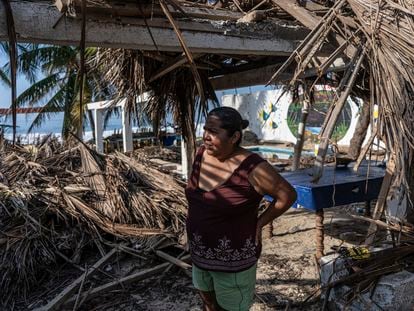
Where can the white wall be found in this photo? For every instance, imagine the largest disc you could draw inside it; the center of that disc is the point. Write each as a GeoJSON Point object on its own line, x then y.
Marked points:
{"type": "Point", "coordinates": [268, 116]}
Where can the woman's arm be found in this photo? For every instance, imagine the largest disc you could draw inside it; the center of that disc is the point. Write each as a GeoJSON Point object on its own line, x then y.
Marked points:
{"type": "Point", "coordinates": [266, 180]}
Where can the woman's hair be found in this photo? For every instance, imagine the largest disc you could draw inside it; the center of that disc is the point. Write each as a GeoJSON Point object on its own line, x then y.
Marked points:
{"type": "Point", "coordinates": [230, 119]}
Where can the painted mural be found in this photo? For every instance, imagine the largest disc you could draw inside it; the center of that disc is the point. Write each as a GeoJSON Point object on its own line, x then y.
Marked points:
{"type": "Point", "coordinates": [268, 114]}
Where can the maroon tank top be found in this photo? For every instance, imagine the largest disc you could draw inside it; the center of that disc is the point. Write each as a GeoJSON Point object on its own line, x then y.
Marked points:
{"type": "Point", "coordinates": [221, 223]}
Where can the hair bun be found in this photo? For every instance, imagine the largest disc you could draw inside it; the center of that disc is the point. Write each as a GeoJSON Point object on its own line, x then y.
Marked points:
{"type": "Point", "coordinates": [244, 124]}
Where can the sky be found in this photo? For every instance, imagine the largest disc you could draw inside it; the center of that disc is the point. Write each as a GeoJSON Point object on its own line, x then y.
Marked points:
{"type": "Point", "coordinates": [5, 91]}
{"type": "Point", "coordinates": [22, 84]}
{"type": "Point", "coordinates": [25, 120]}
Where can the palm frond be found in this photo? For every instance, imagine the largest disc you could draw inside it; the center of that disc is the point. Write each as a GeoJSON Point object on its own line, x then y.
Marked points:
{"type": "Point", "coordinates": [4, 47]}
{"type": "Point", "coordinates": [39, 90]}
{"type": "Point", "coordinates": [4, 78]}
{"type": "Point", "coordinates": [53, 106]}
{"type": "Point", "coordinates": [45, 58]}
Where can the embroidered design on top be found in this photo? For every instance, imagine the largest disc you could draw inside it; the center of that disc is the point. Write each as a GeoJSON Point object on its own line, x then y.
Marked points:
{"type": "Point", "coordinates": [223, 251]}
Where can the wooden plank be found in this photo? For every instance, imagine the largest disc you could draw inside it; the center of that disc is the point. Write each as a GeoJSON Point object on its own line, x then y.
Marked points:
{"type": "Point", "coordinates": [61, 298]}
{"type": "Point", "coordinates": [173, 260]}
{"type": "Point", "coordinates": [261, 76]}
{"type": "Point", "coordinates": [246, 78]}
{"type": "Point", "coordinates": [257, 6]}
{"type": "Point", "coordinates": [382, 200]}
{"type": "Point", "coordinates": [132, 9]}
{"type": "Point", "coordinates": [4, 111]}
{"type": "Point", "coordinates": [141, 275]}
{"type": "Point", "coordinates": [34, 21]}
{"type": "Point", "coordinates": [304, 16]}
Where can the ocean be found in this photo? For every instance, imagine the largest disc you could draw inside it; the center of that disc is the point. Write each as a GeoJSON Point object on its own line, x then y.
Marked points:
{"type": "Point", "coordinates": [54, 126]}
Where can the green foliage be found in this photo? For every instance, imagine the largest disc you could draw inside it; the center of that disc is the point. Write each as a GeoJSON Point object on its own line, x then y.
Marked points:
{"type": "Point", "coordinates": [339, 131]}
{"type": "Point", "coordinates": [293, 125]}
{"type": "Point", "coordinates": [59, 90]}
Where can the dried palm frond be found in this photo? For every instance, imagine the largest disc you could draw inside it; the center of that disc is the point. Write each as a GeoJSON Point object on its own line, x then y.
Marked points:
{"type": "Point", "coordinates": [385, 29]}
{"type": "Point", "coordinates": [48, 193]}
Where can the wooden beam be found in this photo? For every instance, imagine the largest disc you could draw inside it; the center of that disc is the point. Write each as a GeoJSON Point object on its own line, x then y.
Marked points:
{"type": "Point", "coordinates": [178, 262]}
{"type": "Point", "coordinates": [304, 16]}
{"type": "Point", "coordinates": [260, 76]}
{"type": "Point", "coordinates": [141, 275]}
{"type": "Point", "coordinates": [132, 9]}
{"type": "Point", "coordinates": [174, 64]}
{"type": "Point", "coordinates": [60, 299]}
{"type": "Point", "coordinates": [252, 77]}
{"type": "Point", "coordinates": [34, 21]}
{"type": "Point", "coordinates": [4, 111]}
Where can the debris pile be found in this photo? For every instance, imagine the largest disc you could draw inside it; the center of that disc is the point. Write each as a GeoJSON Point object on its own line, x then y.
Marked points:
{"type": "Point", "coordinates": [355, 278]}
{"type": "Point", "coordinates": [55, 201]}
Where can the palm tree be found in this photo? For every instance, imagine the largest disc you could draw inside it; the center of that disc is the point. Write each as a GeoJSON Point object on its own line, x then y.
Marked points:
{"type": "Point", "coordinates": [4, 77]}
{"type": "Point", "coordinates": [58, 90]}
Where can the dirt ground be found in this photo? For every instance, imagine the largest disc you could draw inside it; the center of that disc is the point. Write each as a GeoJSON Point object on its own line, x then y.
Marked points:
{"type": "Point", "coordinates": [287, 271]}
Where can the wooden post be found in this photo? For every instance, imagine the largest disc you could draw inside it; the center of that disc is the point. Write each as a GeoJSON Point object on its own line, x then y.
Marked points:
{"type": "Point", "coordinates": [184, 163]}
{"type": "Point", "coordinates": [319, 234]}
{"type": "Point", "coordinates": [382, 200]}
{"type": "Point", "coordinates": [98, 118]}
{"type": "Point", "coordinates": [126, 130]}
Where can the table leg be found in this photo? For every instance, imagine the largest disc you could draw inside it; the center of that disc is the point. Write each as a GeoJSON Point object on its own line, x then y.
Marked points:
{"type": "Point", "coordinates": [319, 234]}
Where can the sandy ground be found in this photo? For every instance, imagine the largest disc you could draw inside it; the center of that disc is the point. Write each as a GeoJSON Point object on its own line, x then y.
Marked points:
{"type": "Point", "coordinates": [287, 271]}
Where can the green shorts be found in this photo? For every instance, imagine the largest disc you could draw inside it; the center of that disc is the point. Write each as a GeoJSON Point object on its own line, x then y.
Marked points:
{"type": "Point", "coordinates": [234, 291]}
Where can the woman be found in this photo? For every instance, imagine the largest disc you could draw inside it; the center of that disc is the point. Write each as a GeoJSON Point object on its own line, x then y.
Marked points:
{"type": "Point", "coordinates": [224, 232]}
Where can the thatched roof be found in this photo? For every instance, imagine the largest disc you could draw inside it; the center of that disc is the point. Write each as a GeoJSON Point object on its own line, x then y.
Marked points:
{"type": "Point", "coordinates": [373, 40]}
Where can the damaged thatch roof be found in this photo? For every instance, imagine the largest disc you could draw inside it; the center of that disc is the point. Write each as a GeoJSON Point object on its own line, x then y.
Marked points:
{"type": "Point", "coordinates": [371, 39]}
{"type": "Point", "coordinates": [55, 201]}
{"type": "Point", "coordinates": [377, 38]}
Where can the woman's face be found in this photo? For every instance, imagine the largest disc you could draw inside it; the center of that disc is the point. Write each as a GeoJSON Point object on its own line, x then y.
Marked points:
{"type": "Point", "coordinates": [216, 139]}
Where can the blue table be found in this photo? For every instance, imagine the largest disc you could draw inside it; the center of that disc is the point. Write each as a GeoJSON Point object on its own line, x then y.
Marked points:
{"type": "Point", "coordinates": [337, 186]}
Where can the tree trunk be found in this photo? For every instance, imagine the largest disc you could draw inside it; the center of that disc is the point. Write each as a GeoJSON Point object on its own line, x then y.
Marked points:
{"type": "Point", "coordinates": [301, 135]}
{"type": "Point", "coordinates": [360, 131]}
